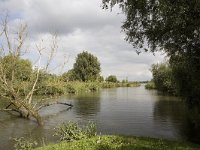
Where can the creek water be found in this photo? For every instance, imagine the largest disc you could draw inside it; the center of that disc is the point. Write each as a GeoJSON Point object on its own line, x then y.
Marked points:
{"type": "Point", "coordinates": [124, 111]}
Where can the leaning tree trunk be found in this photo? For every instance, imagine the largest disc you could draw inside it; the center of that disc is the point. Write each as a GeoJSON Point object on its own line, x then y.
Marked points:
{"type": "Point", "coordinates": [10, 56]}
{"type": "Point", "coordinates": [26, 110]}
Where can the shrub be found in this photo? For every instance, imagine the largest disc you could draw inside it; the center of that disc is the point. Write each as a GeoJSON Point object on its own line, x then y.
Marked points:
{"type": "Point", "coordinates": [72, 131]}
{"type": "Point", "coordinates": [24, 144]}
{"type": "Point", "coordinates": [111, 78]}
{"type": "Point", "coordinates": [70, 88]}
{"type": "Point", "coordinates": [93, 86]}
{"type": "Point", "coordinates": [150, 85]}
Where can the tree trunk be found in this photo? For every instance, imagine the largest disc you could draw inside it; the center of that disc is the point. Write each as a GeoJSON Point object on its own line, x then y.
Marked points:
{"type": "Point", "coordinates": [26, 110]}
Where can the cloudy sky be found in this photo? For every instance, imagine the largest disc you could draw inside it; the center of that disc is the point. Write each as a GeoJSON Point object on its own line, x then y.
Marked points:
{"type": "Point", "coordinates": [81, 25]}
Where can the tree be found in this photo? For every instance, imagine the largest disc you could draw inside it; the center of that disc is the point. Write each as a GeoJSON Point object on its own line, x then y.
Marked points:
{"type": "Point", "coordinates": [86, 67]}
{"type": "Point", "coordinates": [21, 67]}
{"type": "Point", "coordinates": [163, 78]}
{"type": "Point", "coordinates": [100, 79]}
{"type": "Point", "coordinates": [167, 24]}
{"type": "Point", "coordinates": [170, 26]}
{"type": "Point", "coordinates": [16, 74]}
{"type": "Point", "coordinates": [111, 78]}
{"type": "Point", "coordinates": [186, 71]}
{"type": "Point", "coordinates": [69, 76]}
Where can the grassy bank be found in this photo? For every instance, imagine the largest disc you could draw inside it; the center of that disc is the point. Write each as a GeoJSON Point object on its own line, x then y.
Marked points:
{"type": "Point", "coordinates": [56, 87]}
{"type": "Point", "coordinates": [120, 143]}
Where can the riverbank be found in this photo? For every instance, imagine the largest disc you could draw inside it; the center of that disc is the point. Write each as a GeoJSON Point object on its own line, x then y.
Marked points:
{"type": "Point", "coordinates": [114, 142]}
{"type": "Point", "coordinates": [56, 87]}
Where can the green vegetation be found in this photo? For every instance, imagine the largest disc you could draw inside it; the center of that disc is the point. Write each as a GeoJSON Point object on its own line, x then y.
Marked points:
{"type": "Point", "coordinates": [111, 78]}
{"type": "Point", "coordinates": [86, 67]}
{"type": "Point", "coordinates": [186, 73]}
{"type": "Point", "coordinates": [150, 85]}
{"type": "Point", "coordinates": [172, 27]}
{"type": "Point", "coordinates": [119, 84]}
{"type": "Point", "coordinates": [72, 131]}
{"type": "Point", "coordinates": [172, 78]}
{"type": "Point", "coordinates": [24, 144]}
{"type": "Point", "coordinates": [74, 136]}
{"type": "Point", "coordinates": [13, 64]}
{"type": "Point", "coordinates": [58, 87]}
{"type": "Point", "coordinates": [120, 143]}
{"type": "Point", "coordinates": [163, 78]}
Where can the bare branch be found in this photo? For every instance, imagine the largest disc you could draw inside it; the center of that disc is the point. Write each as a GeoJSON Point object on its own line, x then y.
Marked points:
{"type": "Point", "coordinates": [10, 110]}
{"type": "Point", "coordinates": [8, 106]}
{"type": "Point", "coordinates": [53, 103]}
{"type": "Point", "coordinates": [22, 34]}
{"type": "Point", "coordinates": [5, 31]}
{"type": "Point", "coordinates": [54, 47]}
{"type": "Point", "coordinates": [30, 94]}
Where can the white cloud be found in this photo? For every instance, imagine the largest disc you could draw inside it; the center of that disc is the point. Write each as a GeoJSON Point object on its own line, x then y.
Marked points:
{"type": "Point", "coordinates": [82, 25]}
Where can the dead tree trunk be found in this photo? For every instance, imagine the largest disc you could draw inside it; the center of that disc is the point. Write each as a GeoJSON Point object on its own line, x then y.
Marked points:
{"type": "Point", "coordinates": [27, 111]}
{"type": "Point", "coordinates": [10, 54]}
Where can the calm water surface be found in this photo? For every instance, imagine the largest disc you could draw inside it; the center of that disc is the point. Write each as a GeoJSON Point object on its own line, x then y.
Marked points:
{"type": "Point", "coordinates": [124, 111]}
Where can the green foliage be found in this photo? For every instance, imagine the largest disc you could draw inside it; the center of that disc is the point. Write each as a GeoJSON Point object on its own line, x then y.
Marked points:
{"type": "Point", "coordinates": [16, 68]}
{"type": "Point", "coordinates": [172, 26]}
{"type": "Point", "coordinates": [49, 84]}
{"type": "Point", "coordinates": [17, 72]}
{"type": "Point", "coordinates": [80, 87]}
{"type": "Point", "coordinates": [186, 71]}
{"type": "Point", "coordinates": [86, 67]}
{"type": "Point", "coordinates": [72, 131]}
{"type": "Point", "coordinates": [24, 144]}
{"type": "Point", "coordinates": [100, 79]}
{"type": "Point", "coordinates": [150, 85]}
{"type": "Point", "coordinates": [111, 78]}
{"type": "Point", "coordinates": [93, 86]}
{"type": "Point", "coordinates": [70, 88]}
{"type": "Point", "coordinates": [69, 76]}
{"type": "Point", "coordinates": [125, 81]}
{"type": "Point", "coordinates": [120, 143]}
{"type": "Point", "coordinates": [118, 84]}
{"type": "Point", "coordinates": [163, 78]}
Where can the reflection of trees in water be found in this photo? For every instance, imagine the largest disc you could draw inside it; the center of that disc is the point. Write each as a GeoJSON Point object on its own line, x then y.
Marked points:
{"type": "Point", "coordinates": [186, 120]}
{"type": "Point", "coordinates": [87, 104]}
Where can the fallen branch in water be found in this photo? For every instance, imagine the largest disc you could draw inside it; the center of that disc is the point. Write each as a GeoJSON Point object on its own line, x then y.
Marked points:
{"type": "Point", "coordinates": [53, 103]}
{"type": "Point", "coordinates": [9, 110]}
{"type": "Point", "coordinates": [8, 106]}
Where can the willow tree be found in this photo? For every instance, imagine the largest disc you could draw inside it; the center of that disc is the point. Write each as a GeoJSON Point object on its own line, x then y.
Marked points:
{"type": "Point", "coordinates": [172, 26]}
{"type": "Point", "coordinates": [16, 73]}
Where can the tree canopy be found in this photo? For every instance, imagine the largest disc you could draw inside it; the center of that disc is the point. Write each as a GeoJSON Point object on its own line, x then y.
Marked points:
{"type": "Point", "coordinates": [163, 78]}
{"type": "Point", "coordinates": [111, 78]}
{"type": "Point", "coordinates": [87, 67]}
{"type": "Point", "coordinates": [164, 24]}
{"type": "Point", "coordinates": [172, 26]}
{"type": "Point", "coordinates": [13, 66]}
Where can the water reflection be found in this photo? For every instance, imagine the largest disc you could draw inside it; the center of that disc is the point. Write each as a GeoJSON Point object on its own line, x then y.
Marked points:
{"type": "Point", "coordinates": [127, 111]}
{"type": "Point", "coordinates": [86, 105]}
{"type": "Point", "coordinates": [186, 120]}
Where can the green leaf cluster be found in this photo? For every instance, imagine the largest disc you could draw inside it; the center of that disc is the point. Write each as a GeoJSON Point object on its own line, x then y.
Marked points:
{"type": "Point", "coordinates": [87, 67]}
{"type": "Point", "coordinates": [111, 78]}
{"type": "Point", "coordinates": [72, 131]}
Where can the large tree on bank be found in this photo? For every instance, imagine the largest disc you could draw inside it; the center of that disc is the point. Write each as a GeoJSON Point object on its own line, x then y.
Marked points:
{"type": "Point", "coordinates": [87, 67]}
{"type": "Point", "coordinates": [172, 26]}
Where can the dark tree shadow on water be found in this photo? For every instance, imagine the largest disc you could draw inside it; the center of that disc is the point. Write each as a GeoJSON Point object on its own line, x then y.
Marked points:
{"type": "Point", "coordinates": [87, 104]}
{"type": "Point", "coordinates": [185, 119]}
